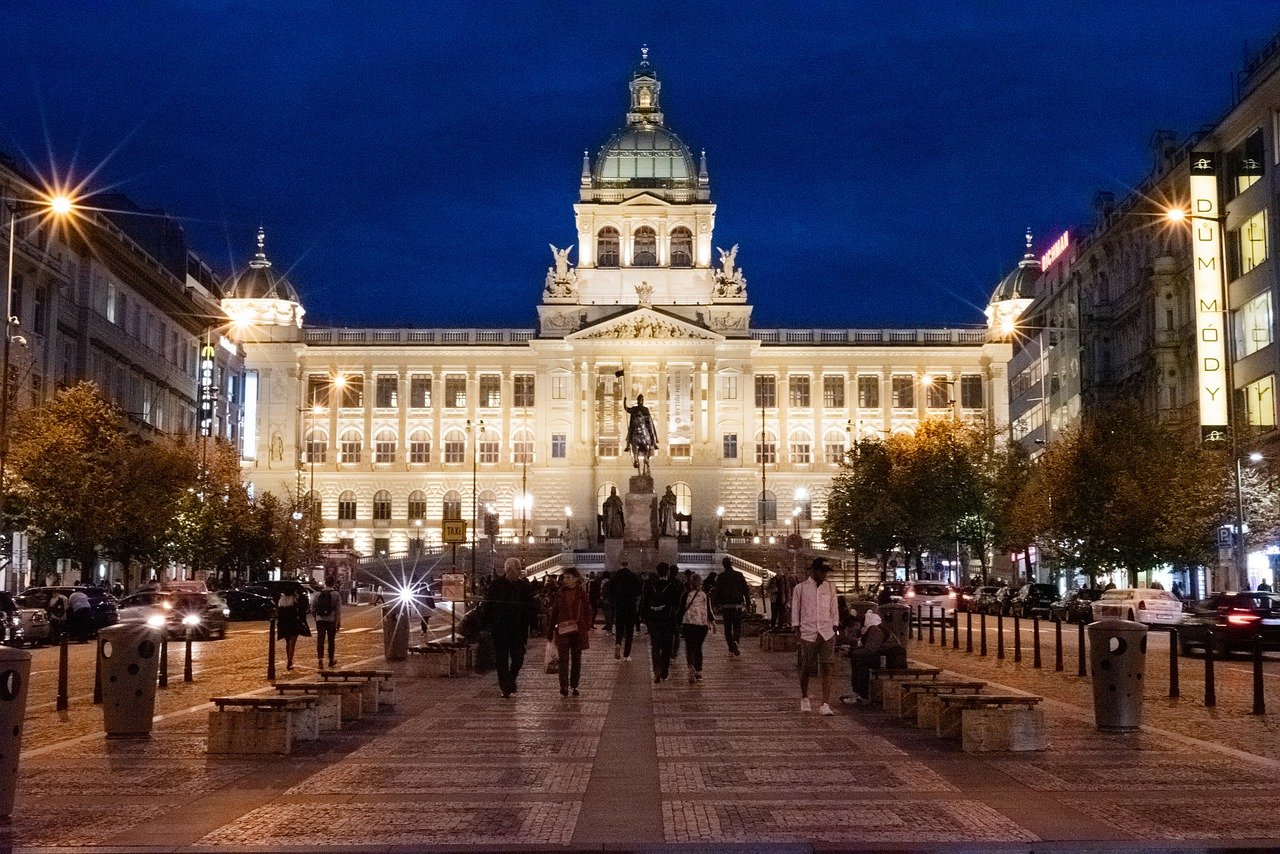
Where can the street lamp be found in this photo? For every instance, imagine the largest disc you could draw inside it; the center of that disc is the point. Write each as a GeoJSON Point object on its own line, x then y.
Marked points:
{"type": "Point", "coordinates": [719, 524]}
{"type": "Point", "coordinates": [568, 519]}
{"type": "Point", "coordinates": [475, 461]}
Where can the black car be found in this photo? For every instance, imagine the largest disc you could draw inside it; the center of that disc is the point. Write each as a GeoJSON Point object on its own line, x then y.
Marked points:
{"type": "Point", "coordinates": [246, 604]}
{"type": "Point", "coordinates": [1033, 600]}
{"type": "Point", "coordinates": [895, 590]}
{"type": "Point", "coordinates": [1076, 606]}
{"type": "Point", "coordinates": [987, 600]}
{"type": "Point", "coordinates": [1235, 618]}
{"type": "Point", "coordinates": [273, 589]}
{"type": "Point", "coordinates": [102, 605]}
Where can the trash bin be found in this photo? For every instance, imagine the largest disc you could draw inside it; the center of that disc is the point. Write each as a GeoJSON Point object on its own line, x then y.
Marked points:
{"type": "Point", "coordinates": [396, 617]}
{"type": "Point", "coordinates": [15, 671]}
{"type": "Point", "coordinates": [1117, 660]}
{"type": "Point", "coordinates": [897, 619]}
{"type": "Point", "coordinates": [130, 661]}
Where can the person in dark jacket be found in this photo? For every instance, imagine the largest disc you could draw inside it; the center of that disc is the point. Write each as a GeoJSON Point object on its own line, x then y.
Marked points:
{"type": "Point", "coordinates": [732, 596]}
{"type": "Point", "coordinates": [660, 607]}
{"type": "Point", "coordinates": [510, 612]}
{"type": "Point", "coordinates": [624, 588]}
{"type": "Point", "coordinates": [568, 627]}
{"type": "Point", "coordinates": [876, 644]}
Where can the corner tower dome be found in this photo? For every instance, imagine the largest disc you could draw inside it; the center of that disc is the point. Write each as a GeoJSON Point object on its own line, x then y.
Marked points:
{"type": "Point", "coordinates": [258, 296]}
{"type": "Point", "coordinates": [1013, 295]}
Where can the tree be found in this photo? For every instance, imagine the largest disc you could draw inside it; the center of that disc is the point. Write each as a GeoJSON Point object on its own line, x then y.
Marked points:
{"type": "Point", "coordinates": [862, 515]}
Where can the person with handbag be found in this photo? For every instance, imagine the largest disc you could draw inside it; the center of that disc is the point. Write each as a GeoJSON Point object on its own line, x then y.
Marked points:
{"type": "Point", "coordinates": [568, 625]}
{"type": "Point", "coordinates": [291, 621]}
{"type": "Point", "coordinates": [695, 623]}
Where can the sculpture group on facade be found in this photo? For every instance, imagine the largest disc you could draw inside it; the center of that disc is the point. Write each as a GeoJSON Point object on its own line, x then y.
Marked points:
{"type": "Point", "coordinates": [562, 280]}
{"type": "Point", "coordinates": [730, 283]}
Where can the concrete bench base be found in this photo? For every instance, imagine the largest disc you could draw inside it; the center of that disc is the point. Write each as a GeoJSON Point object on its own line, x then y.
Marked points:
{"type": "Point", "coordinates": [262, 730]}
{"type": "Point", "coordinates": [328, 704]}
{"type": "Point", "coordinates": [434, 662]}
{"type": "Point", "coordinates": [1000, 730]}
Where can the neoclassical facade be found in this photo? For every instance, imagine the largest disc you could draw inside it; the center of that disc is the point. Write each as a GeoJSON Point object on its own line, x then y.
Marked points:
{"type": "Point", "coordinates": [396, 430]}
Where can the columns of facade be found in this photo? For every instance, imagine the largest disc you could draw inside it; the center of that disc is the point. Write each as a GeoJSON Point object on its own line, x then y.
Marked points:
{"type": "Point", "coordinates": [783, 400]}
{"type": "Point", "coordinates": [402, 419]}
{"type": "Point", "coordinates": [583, 403]}
{"type": "Point", "coordinates": [436, 372]}
{"type": "Point", "coordinates": [886, 402]}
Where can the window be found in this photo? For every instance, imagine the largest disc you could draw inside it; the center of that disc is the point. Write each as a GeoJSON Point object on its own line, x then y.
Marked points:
{"type": "Point", "coordinates": [382, 506]}
{"type": "Point", "coordinates": [419, 447]}
{"type": "Point", "coordinates": [489, 446]}
{"type": "Point", "coordinates": [417, 505]}
{"type": "Point", "coordinates": [680, 450]}
{"type": "Point", "coordinates": [728, 386]}
{"type": "Point", "coordinates": [1253, 325]}
{"type": "Point", "coordinates": [420, 391]}
{"type": "Point", "coordinates": [560, 387]}
{"type": "Point", "coordinates": [351, 447]}
{"type": "Point", "coordinates": [350, 390]}
{"type": "Point", "coordinates": [1245, 162]}
{"type": "Point", "coordinates": [381, 546]}
{"type": "Point", "coordinates": [347, 506]}
{"type": "Point", "coordinates": [455, 391]}
{"type": "Point", "coordinates": [1250, 243]}
{"type": "Point", "coordinates": [869, 392]}
{"type": "Point", "coordinates": [799, 391]}
{"type": "Point", "coordinates": [607, 247]}
{"type": "Point", "coordinates": [559, 446]}
{"type": "Point", "coordinates": [938, 393]}
{"type": "Point", "coordinates": [523, 390]}
{"type": "Point", "coordinates": [1260, 402]}
{"type": "Point", "coordinates": [766, 390]}
{"type": "Point", "coordinates": [730, 446]}
{"type": "Point", "coordinates": [452, 505]}
{"type": "Point", "coordinates": [766, 449]}
{"type": "Point", "coordinates": [317, 447]}
{"type": "Point", "coordinates": [40, 311]}
{"type": "Point", "coordinates": [384, 447]}
{"type": "Point", "coordinates": [606, 447]}
{"type": "Point", "coordinates": [490, 391]}
{"type": "Point", "coordinates": [318, 390]}
{"type": "Point", "coordinates": [971, 392]}
{"type": "Point", "coordinates": [833, 392]}
{"type": "Point", "coordinates": [834, 448]}
{"type": "Point", "coordinates": [455, 447]}
{"type": "Point", "coordinates": [804, 503]}
{"type": "Point", "coordinates": [522, 448]}
{"type": "Point", "coordinates": [904, 392]}
{"type": "Point", "coordinates": [386, 392]}
{"type": "Point", "coordinates": [766, 507]}
{"type": "Point", "coordinates": [801, 449]}
{"type": "Point", "coordinates": [681, 247]}
{"type": "Point", "coordinates": [646, 248]}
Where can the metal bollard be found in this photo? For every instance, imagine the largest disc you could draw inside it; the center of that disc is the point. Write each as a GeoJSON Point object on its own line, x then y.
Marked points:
{"type": "Point", "coordinates": [63, 699]}
{"type": "Point", "coordinates": [982, 627]}
{"type": "Point", "coordinates": [1210, 693]}
{"type": "Point", "coordinates": [968, 631]}
{"type": "Point", "coordinates": [1000, 636]}
{"type": "Point", "coordinates": [1081, 670]}
{"type": "Point", "coordinates": [1259, 701]}
{"type": "Point", "coordinates": [919, 624]}
{"type": "Point", "coordinates": [942, 629]}
{"type": "Point", "coordinates": [97, 675]}
{"type": "Point", "coordinates": [1017, 639]}
{"type": "Point", "coordinates": [163, 679]}
{"type": "Point", "coordinates": [271, 649]}
{"type": "Point", "coordinates": [1057, 645]}
{"type": "Point", "coordinates": [1035, 642]}
{"type": "Point", "coordinates": [186, 662]}
{"type": "Point", "coordinates": [1173, 663]}
{"type": "Point", "coordinates": [931, 625]}
{"type": "Point", "coordinates": [955, 630]}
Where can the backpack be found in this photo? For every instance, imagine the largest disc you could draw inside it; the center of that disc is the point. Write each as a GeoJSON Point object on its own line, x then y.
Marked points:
{"type": "Point", "coordinates": [325, 604]}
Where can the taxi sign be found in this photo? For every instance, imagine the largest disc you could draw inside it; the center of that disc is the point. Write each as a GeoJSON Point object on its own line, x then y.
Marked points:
{"type": "Point", "coordinates": [454, 531]}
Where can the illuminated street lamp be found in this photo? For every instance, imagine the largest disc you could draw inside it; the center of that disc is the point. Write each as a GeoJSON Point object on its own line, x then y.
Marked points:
{"type": "Point", "coordinates": [568, 520]}
{"type": "Point", "coordinates": [719, 524]}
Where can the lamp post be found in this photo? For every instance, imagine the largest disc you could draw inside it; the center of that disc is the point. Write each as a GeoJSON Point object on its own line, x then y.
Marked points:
{"type": "Point", "coordinates": [719, 525]}
{"type": "Point", "coordinates": [475, 504]}
{"type": "Point", "coordinates": [568, 520]}
{"type": "Point", "coordinates": [417, 537]}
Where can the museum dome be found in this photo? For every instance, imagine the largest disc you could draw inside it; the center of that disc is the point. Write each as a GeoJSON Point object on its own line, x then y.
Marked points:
{"type": "Point", "coordinates": [259, 280]}
{"type": "Point", "coordinates": [1021, 280]}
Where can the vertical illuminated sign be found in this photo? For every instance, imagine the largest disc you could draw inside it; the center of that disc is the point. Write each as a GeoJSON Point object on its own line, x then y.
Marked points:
{"type": "Point", "coordinates": [1206, 253]}
{"type": "Point", "coordinates": [206, 390]}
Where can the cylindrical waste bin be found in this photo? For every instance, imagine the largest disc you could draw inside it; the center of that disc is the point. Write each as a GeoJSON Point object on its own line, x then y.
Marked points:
{"type": "Point", "coordinates": [896, 617]}
{"type": "Point", "coordinates": [15, 670]}
{"type": "Point", "coordinates": [130, 661]}
{"type": "Point", "coordinates": [396, 617]}
{"type": "Point", "coordinates": [1117, 659]}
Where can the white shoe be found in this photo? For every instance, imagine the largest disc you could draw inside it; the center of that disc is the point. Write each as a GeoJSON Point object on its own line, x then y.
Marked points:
{"type": "Point", "coordinates": [628, 658]}
{"type": "Point", "coordinates": [804, 705]}
{"type": "Point", "coordinates": [825, 710]}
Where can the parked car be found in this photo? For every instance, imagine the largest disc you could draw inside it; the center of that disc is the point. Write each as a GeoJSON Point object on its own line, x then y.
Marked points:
{"type": "Point", "coordinates": [896, 590]}
{"type": "Point", "coordinates": [1235, 618]}
{"type": "Point", "coordinates": [1076, 606]}
{"type": "Point", "coordinates": [1032, 600]}
{"type": "Point", "coordinates": [983, 598]}
{"type": "Point", "coordinates": [1142, 604]}
{"type": "Point", "coordinates": [273, 589]}
{"type": "Point", "coordinates": [32, 624]}
{"type": "Point", "coordinates": [998, 602]}
{"type": "Point", "coordinates": [204, 614]}
{"type": "Point", "coordinates": [246, 604]}
{"type": "Point", "coordinates": [102, 605]}
{"type": "Point", "coordinates": [921, 595]}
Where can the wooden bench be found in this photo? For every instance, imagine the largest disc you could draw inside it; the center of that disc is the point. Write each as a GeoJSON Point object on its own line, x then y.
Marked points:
{"type": "Point", "coordinates": [336, 701]}
{"type": "Point", "coordinates": [379, 685]}
{"type": "Point", "coordinates": [439, 659]}
{"type": "Point", "coordinates": [886, 684]}
{"type": "Point", "coordinates": [988, 723]}
{"type": "Point", "coordinates": [920, 699]}
{"type": "Point", "coordinates": [262, 725]}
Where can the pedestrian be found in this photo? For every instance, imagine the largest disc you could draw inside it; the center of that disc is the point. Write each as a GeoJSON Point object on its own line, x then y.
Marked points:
{"type": "Point", "coordinates": [779, 588]}
{"type": "Point", "coordinates": [1263, 586]}
{"type": "Point", "coordinates": [697, 619]}
{"type": "Point", "coordinates": [593, 591]}
{"type": "Point", "coordinates": [625, 586]}
{"type": "Point", "coordinates": [732, 596]}
{"type": "Point", "coordinates": [57, 609]}
{"type": "Point", "coordinates": [660, 605]}
{"type": "Point", "coordinates": [816, 616]}
{"type": "Point", "coordinates": [510, 611]}
{"type": "Point", "coordinates": [291, 621]}
{"type": "Point", "coordinates": [606, 600]}
{"type": "Point", "coordinates": [568, 627]}
{"type": "Point", "coordinates": [328, 611]}
{"type": "Point", "coordinates": [876, 644]}
{"type": "Point", "coordinates": [79, 609]}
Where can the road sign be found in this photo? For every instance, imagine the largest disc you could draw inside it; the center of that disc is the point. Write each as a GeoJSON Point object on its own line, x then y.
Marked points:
{"type": "Point", "coordinates": [454, 531]}
{"type": "Point", "coordinates": [453, 587]}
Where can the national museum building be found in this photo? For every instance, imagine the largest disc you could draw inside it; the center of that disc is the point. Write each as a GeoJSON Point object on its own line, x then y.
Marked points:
{"type": "Point", "coordinates": [395, 430]}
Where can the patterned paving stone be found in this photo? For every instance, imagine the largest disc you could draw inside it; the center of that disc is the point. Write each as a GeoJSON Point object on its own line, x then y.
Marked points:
{"type": "Point", "coordinates": [1210, 817]}
{"type": "Point", "coordinates": [830, 775]}
{"type": "Point", "coordinates": [129, 778]}
{"type": "Point", "coordinates": [1056, 771]}
{"type": "Point", "coordinates": [481, 747]}
{"type": "Point", "coordinates": [293, 826]}
{"type": "Point", "coordinates": [74, 824]}
{"type": "Point", "coordinates": [851, 744]}
{"type": "Point", "coordinates": [747, 724]}
{"type": "Point", "coordinates": [382, 778]}
{"type": "Point", "coordinates": [161, 745]}
{"type": "Point", "coordinates": [862, 822]}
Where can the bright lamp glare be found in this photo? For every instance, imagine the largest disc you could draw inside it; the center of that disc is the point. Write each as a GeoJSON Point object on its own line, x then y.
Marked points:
{"type": "Point", "coordinates": [191, 620]}
{"type": "Point", "coordinates": [155, 620]}
{"type": "Point", "coordinates": [405, 596]}
{"type": "Point", "coordinates": [1255, 457]}
{"type": "Point", "coordinates": [1175, 214]}
{"type": "Point", "coordinates": [61, 205]}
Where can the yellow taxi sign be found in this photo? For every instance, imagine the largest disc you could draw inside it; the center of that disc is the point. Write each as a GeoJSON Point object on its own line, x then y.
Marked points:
{"type": "Point", "coordinates": [454, 531]}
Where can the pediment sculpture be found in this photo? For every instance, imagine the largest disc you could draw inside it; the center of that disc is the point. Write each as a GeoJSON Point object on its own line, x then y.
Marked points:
{"type": "Point", "coordinates": [645, 327]}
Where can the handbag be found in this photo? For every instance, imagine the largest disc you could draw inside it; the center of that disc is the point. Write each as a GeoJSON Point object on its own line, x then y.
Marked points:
{"type": "Point", "coordinates": [566, 627]}
{"type": "Point", "coordinates": [551, 658]}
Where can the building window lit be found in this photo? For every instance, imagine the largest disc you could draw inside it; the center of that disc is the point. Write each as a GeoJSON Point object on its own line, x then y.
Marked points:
{"type": "Point", "coordinates": [730, 446]}
{"type": "Point", "coordinates": [868, 392]}
{"type": "Point", "coordinates": [522, 390]}
{"type": "Point", "coordinates": [681, 247]}
{"type": "Point", "coordinates": [420, 391]}
{"type": "Point", "coordinates": [1250, 242]}
{"type": "Point", "coordinates": [455, 391]}
{"type": "Point", "coordinates": [798, 388]}
{"type": "Point", "coordinates": [646, 248]}
{"type": "Point", "coordinates": [522, 448]}
{"type": "Point", "coordinates": [559, 446]}
{"type": "Point", "coordinates": [351, 391]}
{"type": "Point", "coordinates": [728, 386]}
{"type": "Point", "coordinates": [317, 447]}
{"type": "Point", "coordinates": [971, 392]}
{"type": "Point", "coordinates": [1253, 325]}
{"type": "Point", "coordinates": [417, 505]}
{"type": "Point", "coordinates": [833, 448]}
{"type": "Point", "coordinates": [351, 447]}
{"type": "Point", "coordinates": [801, 449]}
{"type": "Point", "coordinates": [804, 503]}
{"type": "Point", "coordinates": [489, 447]}
{"type": "Point", "coordinates": [607, 247]}
{"type": "Point", "coordinates": [680, 450]}
{"type": "Point", "coordinates": [766, 507]}
{"type": "Point", "coordinates": [386, 392]}
{"type": "Point", "coordinates": [384, 447]}
{"type": "Point", "coordinates": [766, 391]}
{"type": "Point", "coordinates": [455, 447]}
{"type": "Point", "coordinates": [452, 505]}
{"type": "Point", "coordinates": [382, 506]}
{"type": "Point", "coordinates": [420, 447]}
{"type": "Point", "coordinates": [490, 391]}
{"type": "Point", "coordinates": [606, 447]}
{"type": "Point", "coordinates": [318, 390]}
{"type": "Point", "coordinates": [560, 387]}
{"type": "Point", "coordinates": [347, 506]}
{"type": "Point", "coordinates": [1260, 402]}
{"type": "Point", "coordinates": [904, 392]}
{"type": "Point", "coordinates": [766, 449]}
{"type": "Point", "coordinates": [938, 395]}
{"type": "Point", "coordinates": [1246, 162]}
{"type": "Point", "coordinates": [833, 392]}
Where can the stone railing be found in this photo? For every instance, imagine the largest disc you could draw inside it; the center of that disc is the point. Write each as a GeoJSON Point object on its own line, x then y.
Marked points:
{"type": "Point", "coordinates": [430, 337]}
{"type": "Point", "coordinates": [892, 337]}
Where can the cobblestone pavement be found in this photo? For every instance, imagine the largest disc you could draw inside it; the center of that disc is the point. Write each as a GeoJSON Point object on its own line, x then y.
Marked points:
{"type": "Point", "coordinates": [631, 764]}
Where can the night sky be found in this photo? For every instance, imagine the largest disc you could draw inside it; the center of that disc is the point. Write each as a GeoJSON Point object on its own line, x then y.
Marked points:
{"type": "Point", "coordinates": [877, 161]}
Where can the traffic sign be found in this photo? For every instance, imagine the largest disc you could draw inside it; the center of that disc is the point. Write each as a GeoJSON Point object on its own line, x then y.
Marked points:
{"type": "Point", "coordinates": [454, 531]}
{"type": "Point", "coordinates": [453, 587]}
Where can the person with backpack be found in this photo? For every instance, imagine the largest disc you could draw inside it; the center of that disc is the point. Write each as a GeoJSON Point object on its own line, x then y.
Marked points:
{"type": "Point", "coordinates": [732, 596]}
{"type": "Point", "coordinates": [328, 611]}
{"type": "Point", "coordinates": [660, 608]}
{"type": "Point", "coordinates": [291, 619]}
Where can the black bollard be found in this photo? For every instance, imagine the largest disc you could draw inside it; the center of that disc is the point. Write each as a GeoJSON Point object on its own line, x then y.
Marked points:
{"type": "Point", "coordinates": [968, 631]}
{"type": "Point", "coordinates": [1259, 701]}
{"type": "Point", "coordinates": [1017, 639]}
{"type": "Point", "coordinates": [1035, 642]}
{"type": "Point", "coordinates": [63, 699]}
{"type": "Point", "coordinates": [942, 629]}
{"type": "Point", "coordinates": [97, 674]}
{"type": "Point", "coordinates": [1057, 645]}
{"type": "Point", "coordinates": [186, 662]}
{"type": "Point", "coordinates": [955, 630]}
{"type": "Point", "coordinates": [1173, 663]}
{"type": "Point", "coordinates": [982, 627]}
{"type": "Point", "coordinates": [1000, 636]}
{"type": "Point", "coordinates": [1081, 670]}
{"type": "Point", "coordinates": [163, 680]}
{"type": "Point", "coordinates": [271, 649]}
{"type": "Point", "coordinates": [931, 624]}
{"type": "Point", "coordinates": [1210, 692]}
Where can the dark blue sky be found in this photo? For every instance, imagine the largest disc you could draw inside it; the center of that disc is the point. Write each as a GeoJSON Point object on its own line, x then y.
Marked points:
{"type": "Point", "coordinates": [877, 161]}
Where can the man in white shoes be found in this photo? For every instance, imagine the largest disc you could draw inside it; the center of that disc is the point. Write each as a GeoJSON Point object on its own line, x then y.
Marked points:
{"type": "Point", "coordinates": [816, 616]}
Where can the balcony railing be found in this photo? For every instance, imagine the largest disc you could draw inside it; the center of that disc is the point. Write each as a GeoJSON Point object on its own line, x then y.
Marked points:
{"type": "Point", "coordinates": [892, 337]}
{"type": "Point", "coordinates": [400, 337]}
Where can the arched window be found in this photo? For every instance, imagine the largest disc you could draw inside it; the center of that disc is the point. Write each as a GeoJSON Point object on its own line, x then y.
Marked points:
{"type": "Point", "coordinates": [801, 448]}
{"type": "Point", "coordinates": [419, 446]}
{"type": "Point", "coordinates": [834, 446]}
{"type": "Point", "coordinates": [681, 247]}
{"type": "Point", "coordinates": [453, 504]}
{"type": "Point", "coordinates": [384, 447]}
{"type": "Point", "coordinates": [317, 447]}
{"type": "Point", "coordinates": [803, 503]}
{"type": "Point", "coordinates": [766, 448]}
{"type": "Point", "coordinates": [417, 505]}
{"type": "Point", "coordinates": [347, 506]}
{"type": "Point", "coordinates": [382, 506]}
{"type": "Point", "coordinates": [646, 248]}
{"type": "Point", "coordinates": [490, 446]}
{"type": "Point", "coordinates": [601, 494]}
{"type": "Point", "coordinates": [607, 244]}
{"type": "Point", "coordinates": [766, 507]}
{"type": "Point", "coordinates": [684, 498]}
{"type": "Point", "coordinates": [455, 447]}
{"type": "Point", "coordinates": [351, 447]}
{"type": "Point", "coordinates": [522, 447]}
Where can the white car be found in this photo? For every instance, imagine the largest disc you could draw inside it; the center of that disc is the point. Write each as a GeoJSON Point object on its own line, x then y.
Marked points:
{"type": "Point", "coordinates": [1139, 604]}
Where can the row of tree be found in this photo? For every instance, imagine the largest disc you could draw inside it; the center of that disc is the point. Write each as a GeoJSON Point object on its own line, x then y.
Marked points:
{"type": "Point", "coordinates": [1120, 491]}
{"type": "Point", "coordinates": [85, 487]}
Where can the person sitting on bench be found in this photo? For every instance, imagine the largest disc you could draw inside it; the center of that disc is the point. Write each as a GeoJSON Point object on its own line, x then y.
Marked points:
{"type": "Point", "coordinates": [876, 642]}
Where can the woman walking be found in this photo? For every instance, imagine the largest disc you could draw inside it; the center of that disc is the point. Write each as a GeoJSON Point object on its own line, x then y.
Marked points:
{"type": "Point", "coordinates": [697, 620]}
{"type": "Point", "coordinates": [568, 622]}
{"type": "Point", "coordinates": [291, 621]}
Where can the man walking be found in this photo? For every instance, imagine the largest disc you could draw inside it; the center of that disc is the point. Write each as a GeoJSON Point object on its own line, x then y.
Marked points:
{"type": "Point", "coordinates": [79, 609]}
{"type": "Point", "coordinates": [625, 589]}
{"type": "Point", "coordinates": [660, 606]}
{"type": "Point", "coordinates": [815, 614]}
{"type": "Point", "coordinates": [731, 595]}
{"type": "Point", "coordinates": [328, 611]}
{"type": "Point", "coordinates": [511, 611]}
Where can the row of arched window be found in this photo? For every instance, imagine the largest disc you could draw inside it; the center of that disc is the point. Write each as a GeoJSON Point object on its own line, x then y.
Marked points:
{"type": "Point", "coordinates": [415, 508]}
{"type": "Point", "coordinates": [386, 447]}
{"type": "Point", "coordinates": [644, 247]}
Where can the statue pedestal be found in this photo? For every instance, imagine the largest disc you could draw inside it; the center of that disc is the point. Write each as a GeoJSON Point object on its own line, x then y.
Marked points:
{"type": "Point", "coordinates": [613, 547]}
{"type": "Point", "coordinates": [668, 550]}
{"type": "Point", "coordinates": [641, 518]}
{"type": "Point", "coordinates": [640, 484]}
